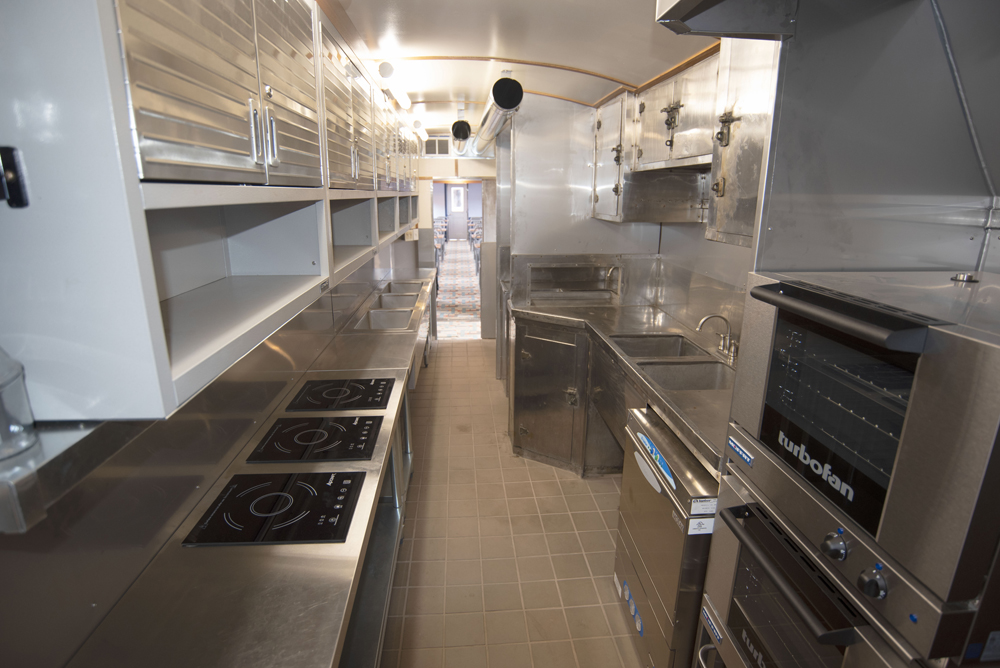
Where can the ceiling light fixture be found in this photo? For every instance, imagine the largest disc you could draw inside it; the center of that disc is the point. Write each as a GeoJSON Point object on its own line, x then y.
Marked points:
{"type": "Point", "coordinates": [386, 70]}
{"type": "Point", "coordinates": [422, 134]}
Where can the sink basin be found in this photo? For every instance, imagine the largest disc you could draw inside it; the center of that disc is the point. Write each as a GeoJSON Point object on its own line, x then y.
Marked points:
{"type": "Point", "coordinates": [657, 345]}
{"type": "Point", "coordinates": [401, 300]}
{"type": "Point", "coordinates": [408, 287]}
{"type": "Point", "coordinates": [680, 376]}
{"type": "Point", "coordinates": [385, 319]}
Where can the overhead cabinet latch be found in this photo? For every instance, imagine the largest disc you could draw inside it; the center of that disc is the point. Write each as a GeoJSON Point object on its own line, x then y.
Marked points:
{"type": "Point", "coordinates": [673, 112]}
{"type": "Point", "coordinates": [726, 120]}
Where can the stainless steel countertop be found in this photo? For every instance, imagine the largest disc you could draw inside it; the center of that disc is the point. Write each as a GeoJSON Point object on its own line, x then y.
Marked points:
{"type": "Point", "coordinates": [699, 418]}
{"type": "Point", "coordinates": [274, 604]}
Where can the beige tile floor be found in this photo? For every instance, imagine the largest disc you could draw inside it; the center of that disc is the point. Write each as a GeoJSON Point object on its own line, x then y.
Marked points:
{"type": "Point", "coordinates": [505, 562]}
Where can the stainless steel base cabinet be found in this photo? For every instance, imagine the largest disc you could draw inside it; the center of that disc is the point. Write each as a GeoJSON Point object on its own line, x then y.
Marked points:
{"type": "Point", "coordinates": [550, 393]}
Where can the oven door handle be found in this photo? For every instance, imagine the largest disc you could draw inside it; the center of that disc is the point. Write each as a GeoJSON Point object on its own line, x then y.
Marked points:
{"type": "Point", "coordinates": [824, 636]}
{"type": "Point", "coordinates": [908, 339]}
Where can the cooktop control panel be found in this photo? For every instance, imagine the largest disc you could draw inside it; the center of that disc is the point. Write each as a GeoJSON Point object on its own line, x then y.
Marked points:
{"type": "Point", "coordinates": [280, 508]}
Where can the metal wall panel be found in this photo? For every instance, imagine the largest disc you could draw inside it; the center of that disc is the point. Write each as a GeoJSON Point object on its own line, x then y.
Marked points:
{"type": "Point", "coordinates": [873, 165]}
{"type": "Point", "coordinates": [695, 120]}
{"type": "Point", "coordinates": [552, 148]}
{"type": "Point", "coordinates": [288, 91]}
{"type": "Point", "coordinates": [972, 25]}
{"type": "Point", "coordinates": [337, 85]}
{"type": "Point", "coordinates": [747, 79]}
{"type": "Point", "coordinates": [192, 78]}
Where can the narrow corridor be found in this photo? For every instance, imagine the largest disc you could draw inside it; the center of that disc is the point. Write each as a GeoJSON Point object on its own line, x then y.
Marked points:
{"type": "Point", "coordinates": [505, 562]}
{"type": "Point", "coordinates": [458, 293]}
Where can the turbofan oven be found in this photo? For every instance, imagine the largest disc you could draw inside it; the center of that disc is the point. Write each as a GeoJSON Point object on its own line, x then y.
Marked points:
{"type": "Point", "coordinates": [768, 602]}
{"type": "Point", "coordinates": [866, 407]}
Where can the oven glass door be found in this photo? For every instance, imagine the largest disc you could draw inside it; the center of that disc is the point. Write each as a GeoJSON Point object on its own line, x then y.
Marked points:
{"type": "Point", "coordinates": [834, 410]}
{"type": "Point", "coordinates": [763, 621]}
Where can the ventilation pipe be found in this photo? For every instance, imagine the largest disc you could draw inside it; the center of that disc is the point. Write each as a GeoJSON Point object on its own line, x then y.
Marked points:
{"type": "Point", "coordinates": [460, 133]}
{"type": "Point", "coordinates": [505, 97]}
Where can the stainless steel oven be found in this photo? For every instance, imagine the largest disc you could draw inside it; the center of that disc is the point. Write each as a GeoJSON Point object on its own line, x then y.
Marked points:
{"type": "Point", "coordinates": [769, 602]}
{"type": "Point", "coordinates": [866, 407]}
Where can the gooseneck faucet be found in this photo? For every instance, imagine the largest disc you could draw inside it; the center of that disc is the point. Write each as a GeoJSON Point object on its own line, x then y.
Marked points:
{"type": "Point", "coordinates": [726, 346]}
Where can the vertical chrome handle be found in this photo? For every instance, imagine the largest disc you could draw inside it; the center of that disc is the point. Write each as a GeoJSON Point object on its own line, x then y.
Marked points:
{"type": "Point", "coordinates": [256, 141]}
{"type": "Point", "coordinates": [272, 136]}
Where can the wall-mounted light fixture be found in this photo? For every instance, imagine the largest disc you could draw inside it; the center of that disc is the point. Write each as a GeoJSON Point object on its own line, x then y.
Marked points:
{"type": "Point", "coordinates": [385, 70]}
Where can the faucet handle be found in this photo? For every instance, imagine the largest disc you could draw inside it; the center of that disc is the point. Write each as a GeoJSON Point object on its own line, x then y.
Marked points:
{"type": "Point", "coordinates": [723, 342]}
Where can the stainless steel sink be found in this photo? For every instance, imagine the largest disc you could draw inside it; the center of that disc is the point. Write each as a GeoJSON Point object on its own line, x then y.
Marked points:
{"type": "Point", "coordinates": [403, 286]}
{"type": "Point", "coordinates": [682, 376]}
{"type": "Point", "coordinates": [401, 300]}
{"type": "Point", "coordinates": [385, 319]}
{"type": "Point", "coordinates": [657, 345]}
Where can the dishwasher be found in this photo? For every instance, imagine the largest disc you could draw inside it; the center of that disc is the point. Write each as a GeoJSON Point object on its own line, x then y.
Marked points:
{"type": "Point", "coordinates": [667, 514]}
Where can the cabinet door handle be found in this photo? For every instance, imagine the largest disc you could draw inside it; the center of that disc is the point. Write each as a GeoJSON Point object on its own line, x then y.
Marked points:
{"type": "Point", "coordinates": [525, 355]}
{"type": "Point", "coordinates": [256, 141]}
{"type": "Point", "coordinates": [272, 135]}
{"type": "Point", "coordinates": [571, 397]}
{"type": "Point", "coordinates": [522, 430]}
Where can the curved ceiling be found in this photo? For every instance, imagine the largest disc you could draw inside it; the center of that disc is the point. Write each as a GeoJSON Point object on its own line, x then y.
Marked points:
{"type": "Point", "coordinates": [448, 52]}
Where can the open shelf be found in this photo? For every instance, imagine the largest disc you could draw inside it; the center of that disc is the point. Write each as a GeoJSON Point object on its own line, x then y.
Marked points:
{"type": "Point", "coordinates": [227, 277]}
{"type": "Point", "coordinates": [387, 216]}
{"type": "Point", "coordinates": [347, 259]}
{"type": "Point", "coordinates": [167, 195]}
{"type": "Point", "coordinates": [211, 327]}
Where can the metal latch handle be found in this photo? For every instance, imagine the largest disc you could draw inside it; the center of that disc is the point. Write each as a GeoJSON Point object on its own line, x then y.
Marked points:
{"type": "Point", "coordinates": [572, 398]}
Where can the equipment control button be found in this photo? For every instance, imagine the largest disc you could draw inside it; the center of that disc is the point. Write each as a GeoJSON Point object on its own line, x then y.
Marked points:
{"type": "Point", "coordinates": [834, 545]}
{"type": "Point", "coordinates": [872, 583]}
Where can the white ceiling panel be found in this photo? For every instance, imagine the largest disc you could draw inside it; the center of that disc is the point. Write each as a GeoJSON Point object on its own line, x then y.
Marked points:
{"type": "Point", "coordinates": [607, 42]}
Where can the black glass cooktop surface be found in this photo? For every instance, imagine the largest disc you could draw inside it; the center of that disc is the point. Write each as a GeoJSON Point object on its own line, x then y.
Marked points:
{"type": "Point", "coordinates": [319, 439]}
{"type": "Point", "coordinates": [280, 508]}
{"type": "Point", "coordinates": [340, 395]}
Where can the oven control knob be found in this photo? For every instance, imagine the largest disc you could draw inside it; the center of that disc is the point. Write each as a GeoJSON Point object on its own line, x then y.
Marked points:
{"type": "Point", "coordinates": [834, 545]}
{"type": "Point", "coordinates": [872, 583]}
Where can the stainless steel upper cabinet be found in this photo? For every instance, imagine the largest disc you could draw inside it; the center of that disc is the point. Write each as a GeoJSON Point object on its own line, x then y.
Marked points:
{"type": "Point", "coordinates": [608, 160]}
{"type": "Point", "coordinates": [337, 84]}
{"type": "Point", "coordinates": [193, 89]}
{"type": "Point", "coordinates": [288, 91]}
{"type": "Point", "coordinates": [657, 106]}
{"type": "Point", "coordinates": [695, 123]}
{"type": "Point", "coordinates": [363, 129]}
{"type": "Point", "coordinates": [395, 152]}
{"type": "Point", "coordinates": [748, 75]}
{"type": "Point", "coordinates": [385, 179]}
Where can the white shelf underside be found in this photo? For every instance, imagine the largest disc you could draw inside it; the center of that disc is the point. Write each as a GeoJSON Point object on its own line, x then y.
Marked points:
{"type": "Point", "coordinates": [211, 327]}
{"type": "Point", "coordinates": [183, 195]}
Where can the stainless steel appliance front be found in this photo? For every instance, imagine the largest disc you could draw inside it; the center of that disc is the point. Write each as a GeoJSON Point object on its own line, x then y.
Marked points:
{"type": "Point", "coordinates": [866, 408]}
{"type": "Point", "coordinates": [668, 501]}
{"type": "Point", "coordinates": [769, 602]}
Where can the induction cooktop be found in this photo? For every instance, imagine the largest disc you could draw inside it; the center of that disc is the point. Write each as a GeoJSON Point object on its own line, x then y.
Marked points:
{"type": "Point", "coordinates": [280, 508]}
{"type": "Point", "coordinates": [338, 395]}
{"type": "Point", "coordinates": [319, 439]}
